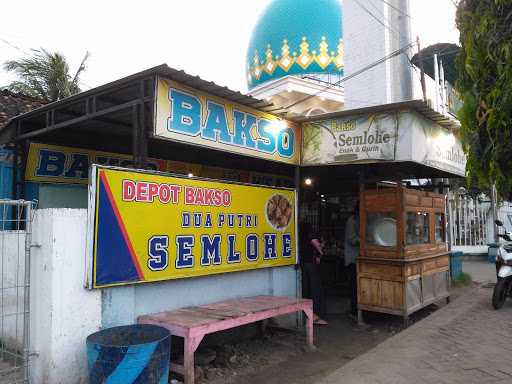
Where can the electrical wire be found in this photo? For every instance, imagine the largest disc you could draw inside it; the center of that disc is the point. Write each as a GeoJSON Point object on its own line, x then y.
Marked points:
{"type": "Point", "coordinates": [375, 7]}
{"type": "Point", "coordinates": [393, 54]}
{"type": "Point", "coordinates": [384, 21]}
{"type": "Point", "coordinates": [356, 73]}
{"type": "Point", "coordinates": [397, 9]}
{"type": "Point", "coordinates": [13, 46]}
{"type": "Point", "coordinates": [376, 18]}
{"type": "Point", "coordinates": [279, 85]}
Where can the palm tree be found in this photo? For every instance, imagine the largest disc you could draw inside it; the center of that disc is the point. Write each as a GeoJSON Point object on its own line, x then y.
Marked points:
{"type": "Point", "coordinates": [45, 75]}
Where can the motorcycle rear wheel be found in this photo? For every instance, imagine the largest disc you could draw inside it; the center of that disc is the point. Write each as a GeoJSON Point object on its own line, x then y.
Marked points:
{"type": "Point", "coordinates": [499, 294]}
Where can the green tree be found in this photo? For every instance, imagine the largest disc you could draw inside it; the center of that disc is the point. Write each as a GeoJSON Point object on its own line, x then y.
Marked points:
{"type": "Point", "coordinates": [45, 75]}
{"type": "Point", "coordinates": [484, 82]}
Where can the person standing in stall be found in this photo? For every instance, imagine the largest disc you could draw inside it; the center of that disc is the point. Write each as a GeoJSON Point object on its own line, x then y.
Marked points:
{"type": "Point", "coordinates": [311, 253]}
{"type": "Point", "coordinates": [351, 249]}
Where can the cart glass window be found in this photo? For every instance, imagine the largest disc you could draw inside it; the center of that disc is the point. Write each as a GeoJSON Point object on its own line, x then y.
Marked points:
{"type": "Point", "coordinates": [381, 229]}
{"type": "Point", "coordinates": [440, 228]}
{"type": "Point", "coordinates": [417, 228]}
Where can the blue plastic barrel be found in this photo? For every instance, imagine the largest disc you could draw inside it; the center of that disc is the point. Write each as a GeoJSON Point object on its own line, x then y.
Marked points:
{"type": "Point", "coordinates": [492, 251]}
{"type": "Point", "coordinates": [456, 264]}
{"type": "Point", "coordinates": [132, 354]}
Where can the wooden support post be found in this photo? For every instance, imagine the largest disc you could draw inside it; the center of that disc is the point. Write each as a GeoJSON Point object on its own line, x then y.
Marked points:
{"type": "Point", "coordinates": [400, 220]}
{"type": "Point", "coordinates": [143, 131]}
{"type": "Point", "coordinates": [191, 344]}
{"type": "Point", "coordinates": [309, 326]}
{"type": "Point", "coordinates": [135, 135]}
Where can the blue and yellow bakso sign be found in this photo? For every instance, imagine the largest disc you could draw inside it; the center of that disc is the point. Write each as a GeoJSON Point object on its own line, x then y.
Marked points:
{"type": "Point", "coordinates": [187, 115]}
{"type": "Point", "coordinates": [153, 227]}
{"type": "Point", "coordinates": [66, 165]}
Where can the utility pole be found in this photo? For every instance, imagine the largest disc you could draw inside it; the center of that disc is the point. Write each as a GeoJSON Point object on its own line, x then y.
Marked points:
{"type": "Point", "coordinates": [422, 68]}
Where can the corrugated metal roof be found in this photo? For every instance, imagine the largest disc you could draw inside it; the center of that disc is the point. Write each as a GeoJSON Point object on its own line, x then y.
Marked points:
{"type": "Point", "coordinates": [212, 88]}
{"type": "Point", "coordinates": [165, 71]}
{"type": "Point", "coordinates": [417, 105]}
{"type": "Point", "coordinates": [236, 97]}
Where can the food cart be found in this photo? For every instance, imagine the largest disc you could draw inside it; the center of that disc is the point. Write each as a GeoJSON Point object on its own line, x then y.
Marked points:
{"type": "Point", "coordinates": [394, 160]}
{"type": "Point", "coordinates": [403, 263]}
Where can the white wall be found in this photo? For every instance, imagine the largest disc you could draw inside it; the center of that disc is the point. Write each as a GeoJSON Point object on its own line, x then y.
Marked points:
{"type": "Point", "coordinates": [368, 40]}
{"type": "Point", "coordinates": [63, 312]}
{"type": "Point", "coordinates": [12, 249]}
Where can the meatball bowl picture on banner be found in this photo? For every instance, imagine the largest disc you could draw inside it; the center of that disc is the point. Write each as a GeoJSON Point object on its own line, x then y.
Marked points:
{"type": "Point", "coordinates": [146, 226]}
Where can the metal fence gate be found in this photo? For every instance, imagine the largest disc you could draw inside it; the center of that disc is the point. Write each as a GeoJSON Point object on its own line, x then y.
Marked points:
{"type": "Point", "coordinates": [15, 244]}
{"type": "Point", "coordinates": [469, 221]}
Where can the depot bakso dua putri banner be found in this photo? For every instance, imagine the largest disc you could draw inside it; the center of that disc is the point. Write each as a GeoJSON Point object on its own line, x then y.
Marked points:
{"type": "Point", "coordinates": [152, 227]}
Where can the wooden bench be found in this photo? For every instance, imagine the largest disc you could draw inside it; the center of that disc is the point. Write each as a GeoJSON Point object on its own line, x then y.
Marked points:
{"type": "Point", "coordinates": [193, 323]}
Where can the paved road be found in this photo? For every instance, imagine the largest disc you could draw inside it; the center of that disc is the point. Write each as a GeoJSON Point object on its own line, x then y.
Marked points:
{"type": "Point", "coordinates": [9, 374]}
{"type": "Point", "coordinates": [464, 342]}
{"type": "Point", "coordinates": [480, 270]}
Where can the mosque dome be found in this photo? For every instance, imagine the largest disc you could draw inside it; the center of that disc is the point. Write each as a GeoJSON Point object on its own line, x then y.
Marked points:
{"type": "Point", "coordinates": [296, 37]}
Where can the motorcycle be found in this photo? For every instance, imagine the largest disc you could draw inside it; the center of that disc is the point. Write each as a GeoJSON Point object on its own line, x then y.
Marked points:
{"type": "Point", "coordinates": [503, 287]}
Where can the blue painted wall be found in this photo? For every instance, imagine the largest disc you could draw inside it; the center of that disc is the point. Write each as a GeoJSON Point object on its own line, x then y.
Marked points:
{"type": "Point", "coordinates": [6, 157]}
{"type": "Point", "coordinates": [122, 305]}
{"type": "Point", "coordinates": [48, 195]}
{"type": "Point", "coordinates": [6, 178]}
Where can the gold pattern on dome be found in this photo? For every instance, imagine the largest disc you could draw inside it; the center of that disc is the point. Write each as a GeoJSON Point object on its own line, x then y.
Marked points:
{"type": "Point", "coordinates": [305, 58]}
{"type": "Point", "coordinates": [270, 66]}
{"type": "Point", "coordinates": [339, 60]}
{"type": "Point", "coordinates": [257, 70]}
{"type": "Point", "coordinates": [286, 61]}
{"type": "Point", "coordinates": [323, 59]}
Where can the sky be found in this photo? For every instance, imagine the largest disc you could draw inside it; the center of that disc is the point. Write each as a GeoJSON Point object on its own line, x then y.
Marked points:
{"type": "Point", "coordinates": [203, 37]}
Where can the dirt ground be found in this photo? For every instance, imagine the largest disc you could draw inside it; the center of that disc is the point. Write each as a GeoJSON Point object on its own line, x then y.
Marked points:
{"type": "Point", "coordinates": [281, 356]}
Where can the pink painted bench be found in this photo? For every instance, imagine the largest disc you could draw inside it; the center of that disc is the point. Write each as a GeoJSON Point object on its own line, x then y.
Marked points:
{"type": "Point", "coordinates": [194, 323]}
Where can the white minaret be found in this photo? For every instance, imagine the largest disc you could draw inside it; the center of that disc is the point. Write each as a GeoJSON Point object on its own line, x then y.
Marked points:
{"type": "Point", "coordinates": [374, 29]}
